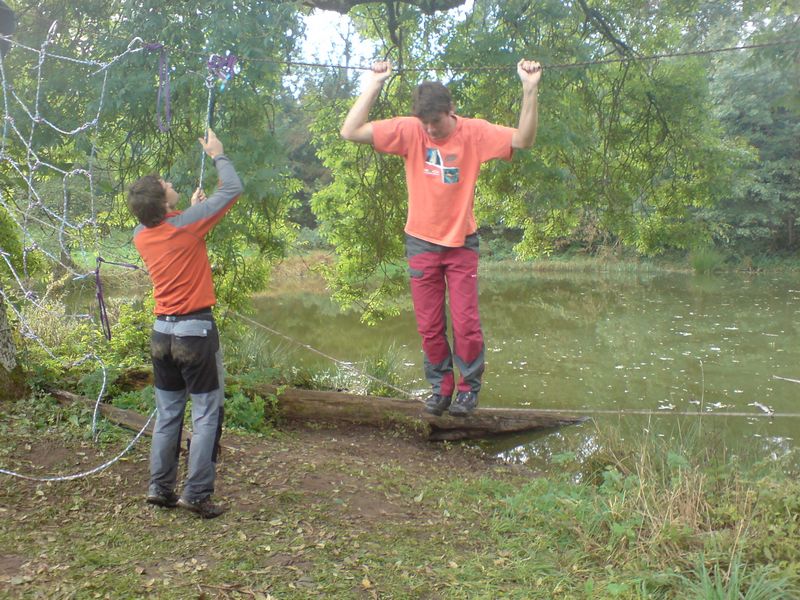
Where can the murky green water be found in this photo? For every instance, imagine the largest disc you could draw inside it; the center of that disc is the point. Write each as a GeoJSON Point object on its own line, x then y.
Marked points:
{"type": "Point", "coordinates": [663, 342]}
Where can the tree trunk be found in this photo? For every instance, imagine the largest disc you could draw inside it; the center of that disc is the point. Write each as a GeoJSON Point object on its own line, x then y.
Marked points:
{"type": "Point", "coordinates": [12, 379]}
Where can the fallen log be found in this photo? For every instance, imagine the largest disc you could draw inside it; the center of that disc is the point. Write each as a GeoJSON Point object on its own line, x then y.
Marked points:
{"type": "Point", "coordinates": [296, 404]}
{"type": "Point", "coordinates": [316, 405]}
{"type": "Point", "coordinates": [119, 416]}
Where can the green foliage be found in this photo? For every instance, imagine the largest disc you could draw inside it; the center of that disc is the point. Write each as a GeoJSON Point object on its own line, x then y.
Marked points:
{"type": "Point", "coordinates": [383, 372]}
{"type": "Point", "coordinates": [250, 412]}
{"type": "Point", "coordinates": [130, 335]}
{"type": "Point", "coordinates": [310, 239]}
{"type": "Point", "coordinates": [762, 211]}
{"type": "Point", "coordinates": [706, 260]}
{"type": "Point", "coordinates": [142, 401]}
{"type": "Point", "coordinates": [737, 582]}
{"type": "Point", "coordinates": [9, 242]}
{"type": "Point", "coordinates": [361, 214]}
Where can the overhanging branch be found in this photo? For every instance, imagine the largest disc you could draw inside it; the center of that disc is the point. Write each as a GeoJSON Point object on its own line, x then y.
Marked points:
{"type": "Point", "coordinates": [343, 6]}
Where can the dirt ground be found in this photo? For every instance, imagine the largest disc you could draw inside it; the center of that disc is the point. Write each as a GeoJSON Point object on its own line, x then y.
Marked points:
{"type": "Point", "coordinates": [351, 478]}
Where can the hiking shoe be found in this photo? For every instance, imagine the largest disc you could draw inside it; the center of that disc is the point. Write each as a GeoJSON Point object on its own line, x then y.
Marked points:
{"type": "Point", "coordinates": [205, 508]}
{"type": "Point", "coordinates": [464, 404]}
{"type": "Point", "coordinates": [437, 403]}
{"type": "Point", "coordinates": [163, 499]}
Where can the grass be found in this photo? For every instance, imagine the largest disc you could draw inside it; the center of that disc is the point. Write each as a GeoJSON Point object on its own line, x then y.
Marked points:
{"type": "Point", "coordinates": [706, 260]}
{"type": "Point", "coordinates": [358, 513]}
{"type": "Point", "coordinates": [354, 513]}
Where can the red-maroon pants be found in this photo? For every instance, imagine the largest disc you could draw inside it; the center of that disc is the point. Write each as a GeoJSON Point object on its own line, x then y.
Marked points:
{"type": "Point", "coordinates": [436, 271]}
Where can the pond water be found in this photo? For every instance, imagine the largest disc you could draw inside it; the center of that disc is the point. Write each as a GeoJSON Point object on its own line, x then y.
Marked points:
{"type": "Point", "coordinates": [662, 342]}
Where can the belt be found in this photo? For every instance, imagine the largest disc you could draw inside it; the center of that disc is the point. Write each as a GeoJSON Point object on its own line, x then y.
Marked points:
{"type": "Point", "coordinates": [203, 312]}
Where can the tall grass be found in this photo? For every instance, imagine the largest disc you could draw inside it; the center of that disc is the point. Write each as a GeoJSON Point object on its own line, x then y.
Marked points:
{"type": "Point", "coordinates": [737, 582]}
{"type": "Point", "coordinates": [669, 499]}
{"type": "Point", "coordinates": [651, 517]}
{"type": "Point", "coordinates": [706, 260]}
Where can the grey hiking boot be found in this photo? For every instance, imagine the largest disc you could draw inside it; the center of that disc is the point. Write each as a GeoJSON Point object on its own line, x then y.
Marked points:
{"type": "Point", "coordinates": [204, 508]}
{"type": "Point", "coordinates": [162, 499]}
{"type": "Point", "coordinates": [436, 404]}
{"type": "Point", "coordinates": [464, 404]}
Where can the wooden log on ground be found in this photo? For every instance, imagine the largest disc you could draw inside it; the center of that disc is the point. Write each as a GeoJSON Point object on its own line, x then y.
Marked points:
{"type": "Point", "coordinates": [119, 416]}
{"type": "Point", "coordinates": [315, 405]}
{"type": "Point", "coordinates": [376, 411]}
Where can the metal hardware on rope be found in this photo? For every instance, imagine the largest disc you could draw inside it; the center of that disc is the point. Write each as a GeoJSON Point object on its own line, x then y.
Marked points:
{"type": "Point", "coordinates": [209, 110]}
{"type": "Point", "coordinates": [221, 69]}
{"type": "Point", "coordinates": [104, 322]}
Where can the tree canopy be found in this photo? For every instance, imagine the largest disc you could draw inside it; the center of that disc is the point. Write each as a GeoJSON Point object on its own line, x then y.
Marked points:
{"type": "Point", "coordinates": [649, 140]}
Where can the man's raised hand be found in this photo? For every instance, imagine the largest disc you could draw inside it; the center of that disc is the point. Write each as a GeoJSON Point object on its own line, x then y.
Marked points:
{"type": "Point", "coordinates": [211, 144]}
{"type": "Point", "coordinates": [381, 71]}
{"type": "Point", "coordinates": [529, 72]}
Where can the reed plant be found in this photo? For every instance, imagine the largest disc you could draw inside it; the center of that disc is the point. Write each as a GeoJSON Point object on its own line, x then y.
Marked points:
{"type": "Point", "coordinates": [706, 260]}
{"type": "Point", "coordinates": [638, 518]}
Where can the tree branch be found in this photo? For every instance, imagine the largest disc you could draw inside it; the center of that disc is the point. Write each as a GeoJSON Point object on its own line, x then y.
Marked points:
{"type": "Point", "coordinates": [343, 6]}
{"type": "Point", "coordinates": [601, 24]}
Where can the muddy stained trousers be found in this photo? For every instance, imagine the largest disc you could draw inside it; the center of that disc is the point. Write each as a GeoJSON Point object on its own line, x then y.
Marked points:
{"type": "Point", "coordinates": [435, 273]}
{"type": "Point", "coordinates": [187, 360]}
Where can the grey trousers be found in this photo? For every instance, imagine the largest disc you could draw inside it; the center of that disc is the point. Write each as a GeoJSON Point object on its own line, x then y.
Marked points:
{"type": "Point", "coordinates": [187, 361]}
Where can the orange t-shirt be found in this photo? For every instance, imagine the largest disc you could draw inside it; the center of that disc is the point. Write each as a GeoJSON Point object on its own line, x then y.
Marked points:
{"type": "Point", "coordinates": [174, 251]}
{"type": "Point", "coordinates": [441, 174]}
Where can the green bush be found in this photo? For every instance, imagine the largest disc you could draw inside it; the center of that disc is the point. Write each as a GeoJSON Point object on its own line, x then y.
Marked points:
{"type": "Point", "coordinates": [249, 413]}
{"type": "Point", "coordinates": [142, 401]}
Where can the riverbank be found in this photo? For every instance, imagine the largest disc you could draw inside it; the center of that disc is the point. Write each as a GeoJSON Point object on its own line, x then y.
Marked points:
{"type": "Point", "coordinates": [360, 513]}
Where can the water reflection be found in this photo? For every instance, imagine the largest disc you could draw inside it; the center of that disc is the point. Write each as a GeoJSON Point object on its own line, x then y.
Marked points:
{"type": "Point", "coordinates": [663, 342]}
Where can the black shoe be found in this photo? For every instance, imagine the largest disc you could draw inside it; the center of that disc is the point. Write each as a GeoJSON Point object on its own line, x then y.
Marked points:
{"type": "Point", "coordinates": [163, 499]}
{"type": "Point", "coordinates": [436, 404]}
{"type": "Point", "coordinates": [205, 508]}
{"type": "Point", "coordinates": [464, 404]}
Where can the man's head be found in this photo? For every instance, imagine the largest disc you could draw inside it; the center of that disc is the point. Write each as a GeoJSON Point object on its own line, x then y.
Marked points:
{"type": "Point", "coordinates": [150, 198]}
{"type": "Point", "coordinates": [433, 105]}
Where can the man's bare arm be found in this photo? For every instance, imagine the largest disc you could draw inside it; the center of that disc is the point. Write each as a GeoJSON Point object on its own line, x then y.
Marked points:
{"type": "Point", "coordinates": [529, 72]}
{"type": "Point", "coordinates": [356, 126]}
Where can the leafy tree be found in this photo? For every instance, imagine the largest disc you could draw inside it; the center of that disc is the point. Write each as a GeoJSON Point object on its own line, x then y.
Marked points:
{"type": "Point", "coordinates": [763, 211]}
{"type": "Point", "coordinates": [128, 144]}
{"type": "Point", "coordinates": [627, 154]}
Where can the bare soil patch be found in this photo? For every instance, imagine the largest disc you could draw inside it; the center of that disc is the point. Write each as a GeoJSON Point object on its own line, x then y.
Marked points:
{"type": "Point", "coordinates": [306, 494]}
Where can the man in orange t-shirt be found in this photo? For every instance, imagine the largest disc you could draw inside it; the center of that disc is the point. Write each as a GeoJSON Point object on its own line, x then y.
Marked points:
{"type": "Point", "coordinates": [184, 342]}
{"type": "Point", "coordinates": [443, 153]}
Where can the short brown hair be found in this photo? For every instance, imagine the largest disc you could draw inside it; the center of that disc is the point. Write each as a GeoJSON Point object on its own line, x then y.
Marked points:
{"type": "Point", "coordinates": [430, 100]}
{"type": "Point", "coordinates": [147, 200]}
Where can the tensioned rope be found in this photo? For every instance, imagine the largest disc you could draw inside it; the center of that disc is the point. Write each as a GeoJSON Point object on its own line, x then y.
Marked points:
{"type": "Point", "coordinates": [33, 164]}
{"type": "Point", "coordinates": [766, 412]}
{"type": "Point", "coordinates": [546, 66]}
{"type": "Point", "coordinates": [454, 68]}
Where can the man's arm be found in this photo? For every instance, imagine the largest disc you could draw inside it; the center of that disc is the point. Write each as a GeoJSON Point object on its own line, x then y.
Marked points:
{"type": "Point", "coordinates": [356, 126]}
{"type": "Point", "coordinates": [203, 215]}
{"type": "Point", "coordinates": [529, 72]}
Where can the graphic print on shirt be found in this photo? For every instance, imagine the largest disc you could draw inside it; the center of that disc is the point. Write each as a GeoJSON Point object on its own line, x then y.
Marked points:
{"type": "Point", "coordinates": [434, 165]}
